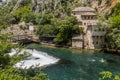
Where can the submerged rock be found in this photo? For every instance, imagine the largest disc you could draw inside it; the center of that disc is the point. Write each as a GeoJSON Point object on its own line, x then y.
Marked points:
{"type": "Point", "coordinates": [64, 61]}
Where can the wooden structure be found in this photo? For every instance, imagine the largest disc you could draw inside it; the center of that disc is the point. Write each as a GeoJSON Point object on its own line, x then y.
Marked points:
{"type": "Point", "coordinates": [20, 39]}
{"type": "Point", "coordinates": [46, 39]}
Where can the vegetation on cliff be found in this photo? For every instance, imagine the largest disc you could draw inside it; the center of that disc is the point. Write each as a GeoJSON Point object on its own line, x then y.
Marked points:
{"type": "Point", "coordinates": [51, 18]}
{"type": "Point", "coordinates": [55, 23]}
{"type": "Point", "coordinates": [112, 38]}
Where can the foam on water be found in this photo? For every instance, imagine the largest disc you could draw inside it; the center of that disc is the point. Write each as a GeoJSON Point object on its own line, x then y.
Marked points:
{"type": "Point", "coordinates": [97, 59]}
{"type": "Point", "coordinates": [37, 59]}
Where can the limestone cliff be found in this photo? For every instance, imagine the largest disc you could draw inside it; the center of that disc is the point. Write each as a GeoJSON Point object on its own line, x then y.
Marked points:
{"type": "Point", "coordinates": [37, 5]}
{"type": "Point", "coordinates": [102, 6]}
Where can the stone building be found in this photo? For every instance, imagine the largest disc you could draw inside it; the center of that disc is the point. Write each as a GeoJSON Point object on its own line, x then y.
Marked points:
{"type": "Point", "coordinates": [93, 36]}
{"type": "Point", "coordinates": [77, 41]}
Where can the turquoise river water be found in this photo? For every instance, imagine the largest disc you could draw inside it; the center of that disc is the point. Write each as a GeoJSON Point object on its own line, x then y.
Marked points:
{"type": "Point", "coordinates": [79, 64]}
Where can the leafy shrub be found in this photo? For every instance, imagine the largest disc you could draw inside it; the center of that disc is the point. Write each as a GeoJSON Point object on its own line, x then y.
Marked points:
{"type": "Point", "coordinates": [106, 75]}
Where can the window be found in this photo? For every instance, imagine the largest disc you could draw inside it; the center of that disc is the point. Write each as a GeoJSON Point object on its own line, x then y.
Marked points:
{"type": "Point", "coordinates": [97, 37]}
{"type": "Point", "coordinates": [84, 23]}
{"type": "Point", "coordinates": [101, 37]}
{"type": "Point", "coordinates": [97, 43]}
{"type": "Point", "coordinates": [92, 17]}
{"type": "Point", "coordinates": [93, 36]}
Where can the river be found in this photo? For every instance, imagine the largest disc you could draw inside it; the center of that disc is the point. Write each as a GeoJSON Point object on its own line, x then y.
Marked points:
{"type": "Point", "coordinates": [78, 64]}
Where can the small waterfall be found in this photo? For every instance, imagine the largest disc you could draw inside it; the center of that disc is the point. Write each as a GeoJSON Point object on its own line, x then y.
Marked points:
{"type": "Point", "coordinates": [37, 59]}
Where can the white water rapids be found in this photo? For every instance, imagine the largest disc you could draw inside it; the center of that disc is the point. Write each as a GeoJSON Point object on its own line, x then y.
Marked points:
{"type": "Point", "coordinates": [37, 59]}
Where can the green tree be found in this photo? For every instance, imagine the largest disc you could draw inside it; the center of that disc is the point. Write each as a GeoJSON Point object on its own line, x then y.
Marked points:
{"type": "Point", "coordinates": [29, 17]}
{"type": "Point", "coordinates": [43, 18]}
{"type": "Point", "coordinates": [115, 21]}
{"type": "Point", "coordinates": [21, 13]}
{"type": "Point", "coordinates": [116, 10]}
{"type": "Point", "coordinates": [67, 28]}
{"type": "Point", "coordinates": [4, 57]}
{"type": "Point", "coordinates": [45, 30]}
{"type": "Point", "coordinates": [112, 38]}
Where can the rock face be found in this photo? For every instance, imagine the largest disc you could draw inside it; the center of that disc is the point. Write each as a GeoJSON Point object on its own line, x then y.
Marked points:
{"type": "Point", "coordinates": [49, 5]}
{"type": "Point", "coordinates": [102, 6]}
{"type": "Point", "coordinates": [17, 4]}
{"type": "Point", "coordinates": [41, 5]}
{"type": "Point", "coordinates": [37, 5]}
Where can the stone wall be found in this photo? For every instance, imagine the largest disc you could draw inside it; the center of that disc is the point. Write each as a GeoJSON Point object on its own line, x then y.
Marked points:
{"type": "Point", "coordinates": [77, 41]}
